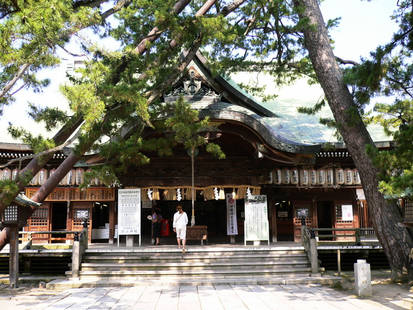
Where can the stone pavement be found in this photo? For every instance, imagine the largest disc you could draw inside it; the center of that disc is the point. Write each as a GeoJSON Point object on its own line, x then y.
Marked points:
{"type": "Point", "coordinates": [214, 297]}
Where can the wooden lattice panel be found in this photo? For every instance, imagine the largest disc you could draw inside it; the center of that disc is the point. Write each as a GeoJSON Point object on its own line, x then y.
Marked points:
{"type": "Point", "coordinates": [39, 221]}
{"type": "Point", "coordinates": [77, 224]}
{"type": "Point", "coordinates": [340, 223]}
{"type": "Point", "coordinates": [76, 194]}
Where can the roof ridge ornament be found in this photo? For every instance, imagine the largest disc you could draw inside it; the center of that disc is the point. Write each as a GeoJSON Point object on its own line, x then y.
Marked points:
{"type": "Point", "coordinates": [192, 86]}
{"type": "Point", "coordinates": [193, 89]}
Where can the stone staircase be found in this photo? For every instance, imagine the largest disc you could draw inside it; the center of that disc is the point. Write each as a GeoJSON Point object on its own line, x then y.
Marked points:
{"type": "Point", "coordinates": [200, 265]}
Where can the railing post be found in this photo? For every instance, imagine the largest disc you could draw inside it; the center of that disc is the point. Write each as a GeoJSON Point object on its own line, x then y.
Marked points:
{"type": "Point", "coordinates": [76, 256]}
{"type": "Point", "coordinates": [339, 261]}
{"type": "Point", "coordinates": [29, 242]}
{"type": "Point", "coordinates": [358, 236]}
{"type": "Point", "coordinates": [85, 236]}
{"type": "Point", "coordinates": [80, 244]}
{"type": "Point", "coordinates": [303, 227]}
{"type": "Point", "coordinates": [314, 253]}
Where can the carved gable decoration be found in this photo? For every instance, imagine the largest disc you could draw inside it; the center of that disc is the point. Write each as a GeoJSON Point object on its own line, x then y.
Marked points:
{"type": "Point", "coordinates": [193, 88]}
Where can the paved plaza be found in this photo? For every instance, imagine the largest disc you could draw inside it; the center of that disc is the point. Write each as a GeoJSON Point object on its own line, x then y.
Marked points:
{"type": "Point", "coordinates": [209, 297]}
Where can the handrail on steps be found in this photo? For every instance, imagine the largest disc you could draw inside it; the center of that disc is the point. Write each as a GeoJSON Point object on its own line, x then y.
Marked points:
{"type": "Point", "coordinates": [80, 244]}
{"type": "Point", "coordinates": [310, 246]}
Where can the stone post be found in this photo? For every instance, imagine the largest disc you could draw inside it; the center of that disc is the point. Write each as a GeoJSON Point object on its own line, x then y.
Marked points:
{"type": "Point", "coordinates": [129, 240]}
{"type": "Point", "coordinates": [76, 256]}
{"type": "Point", "coordinates": [362, 278]}
{"type": "Point", "coordinates": [314, 256]}
{"type": "Point", "coordinates": [85, 237]}
{"type": "Point", "coordinates": [14, 256]}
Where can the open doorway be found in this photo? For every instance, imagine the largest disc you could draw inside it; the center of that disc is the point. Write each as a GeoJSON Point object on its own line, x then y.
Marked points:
{"type": "Point", "coordinates": [285, 225]}
{"type": "Point", "coordinates": [100, 222]}
{"type": "Point", "coordinates": [59, 220]}
{"type": "Point", "coordinates": [325, 217]}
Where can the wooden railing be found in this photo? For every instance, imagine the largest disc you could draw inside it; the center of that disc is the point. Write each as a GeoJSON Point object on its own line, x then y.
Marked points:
{"type": "Point", "coordinates": [29, 239]}
{"type": "Point", "coordinates": [352, 235]}
{"type": "Point", "coordinates": [349, 236]}
{"type": "Point", "coordinates": [80, 244]}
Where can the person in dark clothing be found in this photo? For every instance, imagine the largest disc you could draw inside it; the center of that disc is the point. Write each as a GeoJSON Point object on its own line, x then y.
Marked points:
{"type": "Point", "coordinates": [156, 225]}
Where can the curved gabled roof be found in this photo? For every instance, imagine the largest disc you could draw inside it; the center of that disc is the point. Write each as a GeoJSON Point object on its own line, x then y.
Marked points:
{"type": "Point", "coordinates": [269, 128]}
{"type": "Point", "coordinates": [229, 90]}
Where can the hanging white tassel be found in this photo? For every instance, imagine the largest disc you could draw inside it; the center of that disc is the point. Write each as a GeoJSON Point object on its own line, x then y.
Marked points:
{"type": "Point", "coordinates": [149, 194]}
{"type": "Point", "coordinates": [221, 194]}
{"type": "Point", "coordinates": [249, 195]}
{"type": "Point", "coordinates": [216, 193]}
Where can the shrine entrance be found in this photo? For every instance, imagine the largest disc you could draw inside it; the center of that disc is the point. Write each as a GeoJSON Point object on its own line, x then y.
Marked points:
{"type": "Point", "coordinates": [285, 224]}
{"type": "Point", "coordinates": [210, 213]}
{"type": "Point", "coordinates": [59, 220]}
{"type": "Point", "coordinates": [325, 217]}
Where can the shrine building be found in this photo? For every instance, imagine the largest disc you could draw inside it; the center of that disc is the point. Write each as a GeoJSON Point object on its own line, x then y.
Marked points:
{"type": "Point", "coordinates": [285, 157]}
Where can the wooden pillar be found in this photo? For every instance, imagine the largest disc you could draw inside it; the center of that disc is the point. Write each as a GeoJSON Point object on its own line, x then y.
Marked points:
{"type": "Point", "coordinates": [273, 221]}
{"type": "Point", "coordinates": [111, 222]}
{"type": "Point", "coordinates": [272, 218]}
{"type": "Point", "coordinates": [69, 218]}
{"type": "Point", "coordinates": [14, 256]}
{"type": "Point", "coordinates": [49, 220]}
{"type": "Point", "coordinates": [314, 213]}
{"type": "Point", "coordinates": [339, 262]}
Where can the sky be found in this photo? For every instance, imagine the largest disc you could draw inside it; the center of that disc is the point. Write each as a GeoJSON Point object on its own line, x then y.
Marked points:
{"type": "Point", "coordinates": [363, 26]}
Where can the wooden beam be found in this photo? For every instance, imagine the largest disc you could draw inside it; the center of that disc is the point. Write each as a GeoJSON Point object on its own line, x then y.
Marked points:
{"type": "Point", "coordinates": [111, 222]}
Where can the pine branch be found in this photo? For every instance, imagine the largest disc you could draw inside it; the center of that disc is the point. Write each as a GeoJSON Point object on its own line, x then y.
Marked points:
{"type": "Point", "coordinates": [13, 81]}
{"type": "Point", "coordinates": [49, 151]}
{"type": "Point", "coordinates": [88, 3]}
{"type": "Point", "coordinates": [346, 62]}
{"type": "Point", "coordinates": [121, 4]}
{"type": "Point", "coordinates": [231, 7]}
{"type": "Point", "coordinates": [402, 86]}
{"type": "Point", "coordinates": [155, 32]}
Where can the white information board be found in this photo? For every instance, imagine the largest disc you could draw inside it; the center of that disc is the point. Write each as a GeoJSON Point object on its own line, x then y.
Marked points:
{"type": "Point", "coordinates": [346, 212]}
{"type": "Point", "coordinates": [256, 226]}
{"type": "Point", "coordinates": [232, 225]}
{"type": "Point", "coordinates": [129, 212]}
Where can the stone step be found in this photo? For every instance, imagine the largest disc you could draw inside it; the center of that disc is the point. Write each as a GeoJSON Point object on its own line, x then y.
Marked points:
{"type": "Point", "coordinates": [191, 258]}
{"type": "Point", "coordinates": [192, 272]}
{"type": "Point", "coordinates": [199, 251]}
{"type": "Point", "coordinates": [197, 264]}
{"type": "Point", "coordinates": [194, 264]}
{"type": "Point", "coordinates": [189, 267]}
{"type": "Point", "coordinates": [196, 281]}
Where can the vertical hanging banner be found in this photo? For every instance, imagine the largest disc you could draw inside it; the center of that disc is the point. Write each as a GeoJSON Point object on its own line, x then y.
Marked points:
{"type": "Point", "coordinates": [129, 211]}
{"type": "Point", "coordinates": [232, 226]}
{"type": "Point", "coordinates": [256, 219]}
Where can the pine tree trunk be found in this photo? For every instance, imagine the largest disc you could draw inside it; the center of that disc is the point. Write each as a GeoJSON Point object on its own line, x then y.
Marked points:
{"type": "Point", "coordinates": [387, 220]}
{"type": "Point", "coordinates": [38, 162]}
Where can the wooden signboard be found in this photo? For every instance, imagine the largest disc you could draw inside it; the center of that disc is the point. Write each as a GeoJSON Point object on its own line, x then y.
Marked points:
{"type": "Point", "coordinates": [256, 227]}
{"type": "Point", "coordinates": [129, 212]}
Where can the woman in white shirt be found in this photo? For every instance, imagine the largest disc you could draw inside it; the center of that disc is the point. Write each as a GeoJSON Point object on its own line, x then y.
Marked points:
{"type": "Point", "coordinates": [179, 226]}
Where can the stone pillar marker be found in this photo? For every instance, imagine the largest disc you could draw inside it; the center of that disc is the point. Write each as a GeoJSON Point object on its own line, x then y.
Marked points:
{"type": "Point", "coordinates": [362, 278]}
{"type": "Point", "coordinates": [129, 240]}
